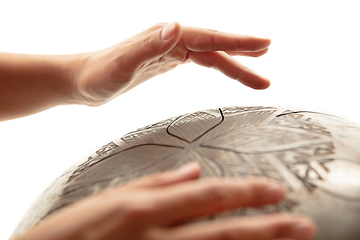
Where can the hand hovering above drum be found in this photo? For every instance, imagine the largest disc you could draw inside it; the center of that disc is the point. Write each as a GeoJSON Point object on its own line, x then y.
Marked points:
{"type": "Point", "coordinates": [33, 83]}
{"type": "Point", "coordinates": [110, 72]}
{"type": "Point", "coordinates": [164, 206]}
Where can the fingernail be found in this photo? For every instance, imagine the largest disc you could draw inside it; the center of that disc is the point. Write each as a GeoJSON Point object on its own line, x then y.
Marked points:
{"type": "Point", "coordinates": [188, 168]}
{"type": "Point", "coordinates": [168, 31]}
{"type": "Point", "coordinates": [302, 231]}
{"type": "Point", "coordinates": [266, 38]}
{"type": "Point", "coordinates": [275, 191]}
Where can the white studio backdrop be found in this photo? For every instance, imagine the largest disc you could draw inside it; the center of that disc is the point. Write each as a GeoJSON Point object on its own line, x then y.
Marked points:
{"type": "Point", "coordinates": [313, 64]}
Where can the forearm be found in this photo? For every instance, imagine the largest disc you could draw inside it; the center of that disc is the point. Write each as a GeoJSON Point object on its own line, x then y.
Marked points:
{"type": "Point", "coordinates": [33, 83]}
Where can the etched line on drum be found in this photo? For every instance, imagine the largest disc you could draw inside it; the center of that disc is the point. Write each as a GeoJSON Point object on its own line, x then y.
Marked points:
{"type": "Point", "coordinates": [292, 182]}
{"type": "Point", "coordinates": [91, 161]}
{"type": "Point", "coordinates": [200, 135]}
{"type": "Point", "coordinates": [220, 167]}
{"type": "Point", "coordinates": [296, 112]}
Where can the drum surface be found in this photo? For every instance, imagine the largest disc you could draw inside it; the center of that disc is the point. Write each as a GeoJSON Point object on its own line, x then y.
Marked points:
{"type": "Point", "coordinates": [316, 156]}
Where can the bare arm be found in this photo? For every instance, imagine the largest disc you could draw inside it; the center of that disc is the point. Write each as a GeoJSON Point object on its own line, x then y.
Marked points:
{"type": "Point", "coordinates": [33, 83]}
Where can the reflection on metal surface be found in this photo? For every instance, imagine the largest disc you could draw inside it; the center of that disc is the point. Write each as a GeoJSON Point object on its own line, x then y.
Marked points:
{"type": "Point", "coordinates": [316, 156]}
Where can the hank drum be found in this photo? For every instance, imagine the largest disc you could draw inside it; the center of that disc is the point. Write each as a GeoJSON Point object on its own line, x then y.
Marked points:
{"type": "Point", "coordinates": [316, 156]}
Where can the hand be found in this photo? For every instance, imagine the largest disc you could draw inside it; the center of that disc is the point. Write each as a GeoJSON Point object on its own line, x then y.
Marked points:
{"type": "Point", "coordinates": [163, 207]}
{"type": "Point", "coordinates": [105, 74]}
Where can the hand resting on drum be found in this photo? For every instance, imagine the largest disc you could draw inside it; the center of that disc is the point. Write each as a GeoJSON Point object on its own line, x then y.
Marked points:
{"type": "Point", "coordinates": [165, 206]}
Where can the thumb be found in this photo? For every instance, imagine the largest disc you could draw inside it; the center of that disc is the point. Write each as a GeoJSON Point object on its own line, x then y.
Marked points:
{"type": "Point", "coordinates": [169, 31]}
{"type": "Point", "coordinates": [155, 44]}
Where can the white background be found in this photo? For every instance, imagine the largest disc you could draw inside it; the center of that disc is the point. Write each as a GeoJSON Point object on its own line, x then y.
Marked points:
{"type": "Point", "coordinates": [312, 63]}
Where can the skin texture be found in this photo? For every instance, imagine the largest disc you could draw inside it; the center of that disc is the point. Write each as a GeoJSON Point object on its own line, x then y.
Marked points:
{"type": "Point", "coordinates": [163, 206]}
{"type": "Point", "coordinates": [147, 54]}
{"type": "Point", "coordinates": [33, 83]}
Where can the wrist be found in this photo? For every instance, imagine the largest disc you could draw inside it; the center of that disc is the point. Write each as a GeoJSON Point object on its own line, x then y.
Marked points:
{"type": "Point", "coordinates": [85, 74]}
{"type": "Point", "coordinates": [75, 66]}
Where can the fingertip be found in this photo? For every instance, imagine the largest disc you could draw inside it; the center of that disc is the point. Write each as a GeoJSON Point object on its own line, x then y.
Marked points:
{"type": "Point", "coordinates": [265, 42]}
{"type": "Point", "coordinates": [270, 191]}
{"type": "Point", "coordinates": [304, 229]}
{"type": "Point", "coordinates": [264, 84]}
{"type": "Point", "coordinates": [190, 169]}
{"type": "Point", "coordinates": [264, 191]}
{"type": "Point", "coordinates": [257, 83]}
{"type": "Point", "coordinates": [275, 192]}
{"type": "Point", "coordinates": [178, 30]}
{"type": "Point", "coordinates": [255, 44]}
{"type": "Point", "coordinates": [170, 30]}
{"type": "Point", "coordinates": [259, 53]}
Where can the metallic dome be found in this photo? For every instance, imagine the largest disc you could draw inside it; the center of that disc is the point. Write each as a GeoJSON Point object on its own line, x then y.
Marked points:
{"type": "Point", "coordinates": [316, 156]}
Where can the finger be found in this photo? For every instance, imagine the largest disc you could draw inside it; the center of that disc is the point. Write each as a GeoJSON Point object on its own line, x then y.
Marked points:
{"type": "Point", "coordinates": [255, 228]}
{"type": "Point", "coordinates": [248, 54]}
{"type": "Point", "coordinates": [205, 40]}
{"type": "Point", "coordinates": [147, 47]}
{"type": "Point", "coordinates": [187, 172]}
{"type": "Point", "coordinates": [230, 67]}
{"type": "Point", "coordinates": [190, 200]}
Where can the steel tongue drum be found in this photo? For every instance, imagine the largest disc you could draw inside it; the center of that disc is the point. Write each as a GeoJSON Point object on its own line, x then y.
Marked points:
{"type": "Point", "coordinates": [316, 156]}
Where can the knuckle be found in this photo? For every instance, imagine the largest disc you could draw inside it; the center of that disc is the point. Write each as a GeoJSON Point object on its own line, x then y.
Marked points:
{"type": "Point", "coordinates": [212, 30]}
{"type": "Point", "coordinates": [147, 42]}
{"type": "Point", "coordinates": [214, 43]}
{"type": "Point", "coordinates": [150, 43]}
{"type": "Point", "coordinates": [135, 212]}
